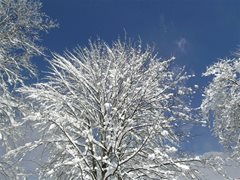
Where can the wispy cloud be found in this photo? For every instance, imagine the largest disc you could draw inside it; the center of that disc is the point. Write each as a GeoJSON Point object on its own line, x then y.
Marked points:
{"type": "Point", "coordinates": [182, 44]}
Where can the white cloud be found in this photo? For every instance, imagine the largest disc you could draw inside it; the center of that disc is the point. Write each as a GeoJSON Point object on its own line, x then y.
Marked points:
{"type": "Point", "coordinates": [182, 44]}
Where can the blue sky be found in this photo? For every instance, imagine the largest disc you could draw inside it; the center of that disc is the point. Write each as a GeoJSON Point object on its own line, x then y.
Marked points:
{"type": "Point", "coordinates": [197, 32]}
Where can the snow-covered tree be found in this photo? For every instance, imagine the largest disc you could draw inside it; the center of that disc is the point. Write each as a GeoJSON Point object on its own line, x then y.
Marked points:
{"type": "Point", "coordinates": [21, 22]}
{"type": "Point", "coordinates": [109, 112]}
{"type": "Point", "coordinates": [221, 102]}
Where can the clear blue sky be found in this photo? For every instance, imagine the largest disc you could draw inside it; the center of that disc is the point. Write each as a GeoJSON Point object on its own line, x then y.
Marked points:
{"type": "Point", "coordinates": [197, 32]}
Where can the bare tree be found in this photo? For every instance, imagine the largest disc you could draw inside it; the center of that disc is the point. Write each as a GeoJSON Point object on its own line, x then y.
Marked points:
{"type": "Point", "coordinates": [109, 113]}
{"type": "Point", "coordinates": [21, 22]}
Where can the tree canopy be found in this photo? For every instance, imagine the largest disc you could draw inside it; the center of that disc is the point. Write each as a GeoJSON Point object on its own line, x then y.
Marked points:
{"type": "Point", "coordinates": [221, 102]}
{"type": "Point", "coordinates": [111, 112]}
{"type": "Point", "coordinates": [21, 23]}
